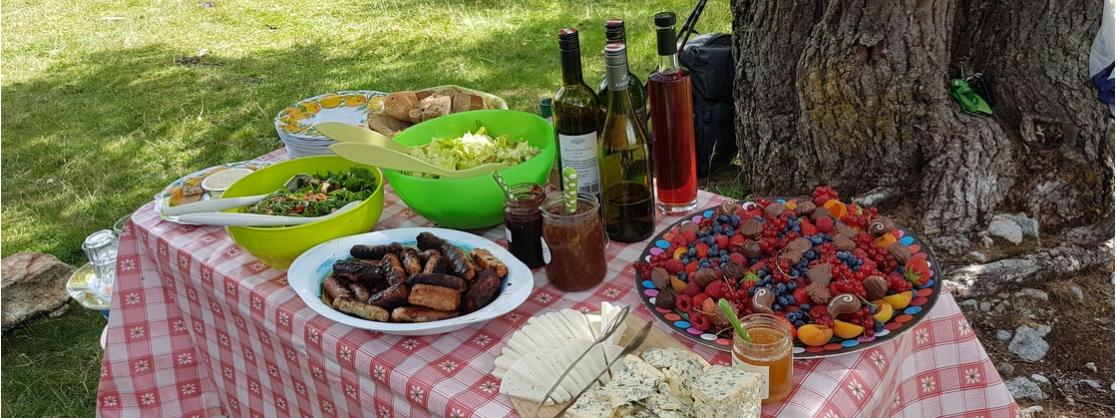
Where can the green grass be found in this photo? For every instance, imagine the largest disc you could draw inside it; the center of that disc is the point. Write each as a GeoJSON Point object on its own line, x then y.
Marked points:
{"type": "Point", "coordinates": [98, 116]}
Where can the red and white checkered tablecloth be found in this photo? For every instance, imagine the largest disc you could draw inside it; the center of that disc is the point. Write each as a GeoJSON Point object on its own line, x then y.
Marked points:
{"type": "Point", "coordinates": [199, 327]}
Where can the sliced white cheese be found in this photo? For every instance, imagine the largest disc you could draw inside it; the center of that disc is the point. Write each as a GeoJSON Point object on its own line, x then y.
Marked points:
{"type": "Point", "coordinates": [611, 313]}
{"type": "Point", "coordinates": [578, 323]}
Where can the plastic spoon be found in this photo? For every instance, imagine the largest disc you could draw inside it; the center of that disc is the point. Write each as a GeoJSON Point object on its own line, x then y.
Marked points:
{"type": "Point", "coordinates": [215, 205]}
{"type": "Point", "coordinates": [391, 159]}
{"type": "Point", "coordinates": [728, 311]}
{"type": "Point", "coordinates": [341, 132]}
{"type": "Point", "coordinates": [252, 219]}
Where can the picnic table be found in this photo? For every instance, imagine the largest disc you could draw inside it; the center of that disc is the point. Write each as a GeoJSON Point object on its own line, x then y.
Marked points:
{"type": "Point", "coordinates": [198, 327]}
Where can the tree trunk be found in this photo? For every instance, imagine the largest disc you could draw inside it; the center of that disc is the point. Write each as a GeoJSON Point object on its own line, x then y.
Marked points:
{"type": "Point", "coordinates": [854, 94]}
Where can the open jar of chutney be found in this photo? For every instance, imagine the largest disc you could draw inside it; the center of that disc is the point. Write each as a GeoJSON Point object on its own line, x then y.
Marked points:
{"type": "Point", "coordinates": [576, 241]}
{"type": "Point", "coordinates": [523, 223]}
{"type": "Point", "coordinates": [768, 353]}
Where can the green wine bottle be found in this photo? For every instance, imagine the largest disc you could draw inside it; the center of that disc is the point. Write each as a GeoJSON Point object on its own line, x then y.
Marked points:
{"type": "Point", "coordinates": [577, 114]}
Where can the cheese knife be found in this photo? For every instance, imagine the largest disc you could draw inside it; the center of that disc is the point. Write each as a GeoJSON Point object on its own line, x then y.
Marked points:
{"type": "Point", "coordinates": [632, 345]}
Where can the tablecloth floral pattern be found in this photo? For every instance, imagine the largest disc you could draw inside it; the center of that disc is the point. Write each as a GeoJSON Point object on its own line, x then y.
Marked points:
{"type": "Point", "coordinates": [199, 327]}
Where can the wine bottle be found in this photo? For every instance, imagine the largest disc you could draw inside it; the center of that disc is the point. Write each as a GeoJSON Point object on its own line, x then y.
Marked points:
{"type": "Point", "coordinates": [576, 117]}
{"type": "Point", "coordinates": [672, 118]}
{"type": "Point", "coordinates": [614, 34]}
{"type": "Point", "coordinates": [626, 177]}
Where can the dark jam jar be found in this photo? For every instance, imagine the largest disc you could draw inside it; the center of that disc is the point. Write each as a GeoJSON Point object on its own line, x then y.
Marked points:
{"type": "Point", "coordinates": [577, 243]}
{"type": "Point", "coordinates": [523, 223]}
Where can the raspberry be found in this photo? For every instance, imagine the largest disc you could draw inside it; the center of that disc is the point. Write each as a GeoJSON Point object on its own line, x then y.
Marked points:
{"type": "Point", "coordinates": [825, 224]}
{"type": "Point", "coordinates": [683, 303]}
{"type": "Point", "coordinates": [699, 298]}
{"type": "Point", "coordinates": [800, 295]}
{"type": "Point", "coordinates": [897, 283]}
{"type": "Point", "coordinates": [807, 228]}
{"type": "Point", "coordinates": [690, 236]}
{"type": "Point", "coordinates": [673, 266]}
{"type": "Point", "coordinates": [717, 289]}
{"type": "Point", "coordinates": [823, 193]}
{"type": "Point", "coordinates": [738, 258]}
{"type": "Point", "coordinates": [700, 321]}
{"type": "Point", "coordinates": [722, 241]}
{"type": "Point", "coordinates": [692, 289]}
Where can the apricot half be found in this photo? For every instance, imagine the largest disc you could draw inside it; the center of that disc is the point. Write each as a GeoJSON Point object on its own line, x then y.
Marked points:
{"type": "Point", "coordinates": [814, 335]}
{"type": "Point", "coordinates": [899, 301]}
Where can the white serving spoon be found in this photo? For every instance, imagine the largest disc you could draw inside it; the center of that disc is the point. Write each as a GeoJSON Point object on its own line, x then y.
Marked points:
{"type": "Point", "coordinates": [215, 205]}
{"type": "Point", "coordinates": [252, 219]}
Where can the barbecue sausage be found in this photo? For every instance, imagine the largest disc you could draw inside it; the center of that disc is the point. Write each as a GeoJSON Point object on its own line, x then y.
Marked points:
{"type": "Point", "coordinates": [393, 269]}
{"type": "Point", "coordinates": [395, 295]}
{"type": "Point", "coordinates": [374, 252]}
{"type": "Point", "coordinates": [438, 279]}
{"type": "Point", "coordinates": [419, 314]}
{"type": "Point", "coordinates": [335, 289]}
{"type": "Point", "coordinates": [435, 297]}
{"type": "Point", "coordinates": [481, 291]}
{"type": "Point", "coordinates": [363, 310]}
{"type": "Point", "coordinates": [410, 260]}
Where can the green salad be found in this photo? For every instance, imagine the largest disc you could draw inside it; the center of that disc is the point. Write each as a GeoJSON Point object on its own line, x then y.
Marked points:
{"type": "Point", "coordinates": [471, 150]}
{"type": "Point", "coordinates": [319, 196]}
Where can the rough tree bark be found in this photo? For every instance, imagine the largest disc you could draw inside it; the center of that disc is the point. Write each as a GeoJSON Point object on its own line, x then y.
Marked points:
{"type": "Point", "coordinates": [854, 93]}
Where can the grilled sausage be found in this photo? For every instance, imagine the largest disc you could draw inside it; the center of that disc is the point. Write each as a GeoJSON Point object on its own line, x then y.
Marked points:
{"type": "Point", "coordinates": [461, 264]}
{"type": "Point", "coordinates": [368, 273]}
{"type": "Point", "coordinates": [438, 279]}
{"type": "Point", "coordinates": [486, 260]}
{"type": "Point", "coordinates": [395, 295]}
{"type": "Point", "coordinates": [428, 241]}
{"type": "Point", "coordinates": [360, 292]}
{"type": "Point", "coordinates": [435, 297]}
{"type": "Point", "coordinates": [335, 289]}
{"type": "Point", "coordinates": [363, 310]}
{"type": "Point", "coordinates": [435, 264]}
{"type": "Point", "coordinates": [410, 260]}
{"type": "Point", "coordinates": [419, 314]}
{"type": "Point", "coordinates": [481, 291]}
{"type": "Point", "coordinates": [425, 256]}
{"type": "Point", "coordinates": [374, 252]}
{"type": "Point", "coordinates": [393, 269]}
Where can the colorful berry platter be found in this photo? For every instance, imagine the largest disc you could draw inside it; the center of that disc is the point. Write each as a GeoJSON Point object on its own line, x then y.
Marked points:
{"type": "Point", "coordinates": [842, 277]}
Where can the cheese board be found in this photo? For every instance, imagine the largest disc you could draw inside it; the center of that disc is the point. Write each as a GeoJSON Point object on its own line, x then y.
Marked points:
{"type": "Point", "coordinates": [656, 338]}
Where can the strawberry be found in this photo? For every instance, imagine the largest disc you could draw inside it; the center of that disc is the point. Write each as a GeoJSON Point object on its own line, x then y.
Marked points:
{"type": "Point", "coordinates": [722, 241]}
{"type": "Point", "coordinates": [736, 241]}
{"type": "Point", "coordinates": [690, 236]}
{"type": "Point", "coordinates": [738, 258]}
{"type": "Point", "coordinates": [692, 267]}
{"type": "Point", "coordinates": [702, 250]}
{"type": "Point", "coordinates": [800, 295]}
{"type": "Point", "coordinates": [917, 270]}
{"type": "Point", "coordinates": [807, 228]}
{"type": "Point", "coordinates": [825, 224]}
{"type": "Point", "coordinates": [673, 266]}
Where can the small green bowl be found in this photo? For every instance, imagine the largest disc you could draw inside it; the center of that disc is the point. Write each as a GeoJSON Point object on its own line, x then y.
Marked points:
{"type": "Point", "coordinates": [474, 202]}
{"type": "Point", "coordinates": [279, 246]}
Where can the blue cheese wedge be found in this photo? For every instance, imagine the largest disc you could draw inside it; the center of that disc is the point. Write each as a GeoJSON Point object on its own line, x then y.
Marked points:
{"type": "Point", "coordinates": [664, 405]}
{"type": "Point", "coordinates": [726, 392]}
{"type": "Point", "coordinates": [680, 367]}
{"type": "Point", "coordinates": [592, 404]}
{"type": "Point", "coordinates": [635, 381]}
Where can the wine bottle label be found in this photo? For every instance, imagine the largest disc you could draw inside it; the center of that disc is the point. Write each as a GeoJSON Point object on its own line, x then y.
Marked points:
{"type": "Point", "coordinates": [580, 152]}
{"type": "Point", "coordinates": [763, 370]}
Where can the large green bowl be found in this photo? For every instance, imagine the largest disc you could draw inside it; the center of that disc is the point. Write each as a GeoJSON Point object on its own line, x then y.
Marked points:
{"type": "Point", "coordinates": [474, 202]}
{"type": "Point", "coordinates": [279, 246]}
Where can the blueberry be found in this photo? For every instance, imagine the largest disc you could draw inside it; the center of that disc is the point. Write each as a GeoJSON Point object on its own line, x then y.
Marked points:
{"type": "Point", "coordinates": [809, 254]}
{"type": "Point", "coordinates": [685, 259]}
{"type": "Point", "coordinates": [795, 227]}
{"type": "Point", "coordinates": [692, 252]}
{"type": "Point", "coordinates": [725, 257]}
{"type": "Point", "coordinates": [805, 307]}
{"type": "Point", "coordinates": [872, 308]}
{"type": "Point", "coordinates": [704, 263]}
{"type": "Point", "coordinates": [791, 285]}
{"type": "Point", "coordinates": [729, 231]}
{"type": "Point", "coordinates": [790, 316]}
{"type": "Point", "coordinates": [816, 240]}
{"type": "Point", "coordinates": [723, 252]}
{"type": "Point", "coordinates": [752, 291]}
{"type": "Point", "coordinates": [878, 326]}
{"type": "Point", "coordinates": [682, 275]}
{"type": "Point", "coordinates": [777, 307]}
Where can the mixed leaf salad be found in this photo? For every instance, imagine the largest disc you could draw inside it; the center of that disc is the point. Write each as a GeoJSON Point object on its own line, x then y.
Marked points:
{"type": "Point", "coordinates": [320, 195]}
{"type": "Point", "coordinates": [471, 150]}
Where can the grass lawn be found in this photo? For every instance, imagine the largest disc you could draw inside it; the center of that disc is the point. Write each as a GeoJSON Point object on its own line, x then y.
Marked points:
{"type": "Point", "coordinates": [99, 116]}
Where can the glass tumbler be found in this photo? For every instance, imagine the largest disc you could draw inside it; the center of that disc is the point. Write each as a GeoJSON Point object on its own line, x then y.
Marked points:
{"type": "Point", "coordinates": [100, 248]}
{"type": "Point", "coordinates": [523, 223]}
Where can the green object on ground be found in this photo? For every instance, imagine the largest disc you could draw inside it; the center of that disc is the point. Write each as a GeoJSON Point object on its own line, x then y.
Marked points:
{"type": "Point", "coordinates": [279, 246]}
{"type": "Point", "coordinates": [474, 202]}
{"type": "Point", "coordinates": [968, 98]}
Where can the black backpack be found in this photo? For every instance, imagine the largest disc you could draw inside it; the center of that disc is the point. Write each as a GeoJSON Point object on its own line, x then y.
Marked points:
{"type": "Point", "coordinates": [710, 60]}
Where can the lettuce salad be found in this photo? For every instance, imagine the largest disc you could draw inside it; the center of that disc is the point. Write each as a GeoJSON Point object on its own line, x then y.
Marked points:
{"type": "Point", "coordinates": [471, 150]}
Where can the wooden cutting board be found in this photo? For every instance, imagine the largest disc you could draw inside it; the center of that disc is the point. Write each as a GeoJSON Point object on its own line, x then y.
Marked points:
{"type": "Point", "coordinates": [656, 338]}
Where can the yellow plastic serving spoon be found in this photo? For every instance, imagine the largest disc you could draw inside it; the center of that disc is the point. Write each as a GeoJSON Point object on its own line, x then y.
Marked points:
{"type": "Point", "coordinates": [380, 156]}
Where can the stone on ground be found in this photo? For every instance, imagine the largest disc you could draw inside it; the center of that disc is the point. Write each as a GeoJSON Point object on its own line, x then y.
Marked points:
{"type": "Point", "coordinates": [1028, 342]}
{"type": "Point", "coordinates": [1006, 228]}
{"type": "Point", "coordinates": [1004, 335]}
{"type": "Point", "coordinates": [1091, 366]}
{"type": "Point", "coordinates": [1028, 226]}
{"type": "Point", "coordinates": [1022, 388]}
{"type": "Point", "coordinates": [32, 284]}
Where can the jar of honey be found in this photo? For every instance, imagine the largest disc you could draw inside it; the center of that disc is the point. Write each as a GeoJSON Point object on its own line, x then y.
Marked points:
{"type": "Point", "coordinates": [768, 353]}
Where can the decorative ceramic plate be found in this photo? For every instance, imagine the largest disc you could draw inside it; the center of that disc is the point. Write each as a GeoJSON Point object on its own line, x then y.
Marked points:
{"type": "Point", "coordinates": [308, 272]}
{"type": "Point", "coordinates": [352, 107]}
{"type": "Point", "coordinates": [193, 182]}
{"type": "Point", "coordinates": [79, 288]}
{"type": "Point", "coordinates": [923, 298]}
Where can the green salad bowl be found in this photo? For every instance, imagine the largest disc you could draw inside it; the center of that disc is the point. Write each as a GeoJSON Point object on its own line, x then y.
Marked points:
{"type": "Point", "coordinates": [278, 246]}
{"type": "Point", "coordinates": [473, 202]}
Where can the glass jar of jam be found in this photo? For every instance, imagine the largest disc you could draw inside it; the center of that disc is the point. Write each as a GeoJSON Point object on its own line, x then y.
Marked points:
{"type": "Point", "coordinates": [769, 353]}
{"type": "Point", "coordinates": [577, 243]}
{"type": "Point", "coordinates": [523, 223]}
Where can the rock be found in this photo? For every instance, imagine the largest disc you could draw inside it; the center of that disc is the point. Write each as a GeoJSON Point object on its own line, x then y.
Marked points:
{"type": "Point", "coordinates": [1028, 226]}
{"type": "Point", "coordinates": [1022, 388]}
{"type": "Point", "coordinates": [1040, 378]}
{"type": "Point", "coordinates": [1092, 367]}
{"type": "Point", "coordinates": [1028, 342]}
{"type": "Point", "coordinates": [985, 306]}
{"type": "Point", "coordinates": [1093, 384]}
{"type": "Point", "coordinates": [1078, 295]}
{"type": "Point", "coordinates": [1034, 296]}
{"type": "Point", "coordinates": [1030, 411]}
{"type": "Point", "coordinates": [1007, 229]}
{"type": "Point", "coordinates": [987, 241]}
{"type": "Point", "coordinates": [1004, 335]}
{"type": "Point", "coordinates": [32, 284]}
{"type": "Point", "coordinates": [1005, 368]}
{"type": "Point", "coordinates": [1001, 307]}
{"type": "Point", "coordinates": [979, 256]}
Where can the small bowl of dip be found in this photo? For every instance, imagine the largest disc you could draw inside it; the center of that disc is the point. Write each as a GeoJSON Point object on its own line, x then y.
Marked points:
{"type": "Point", "coordinates": [216, 183]}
